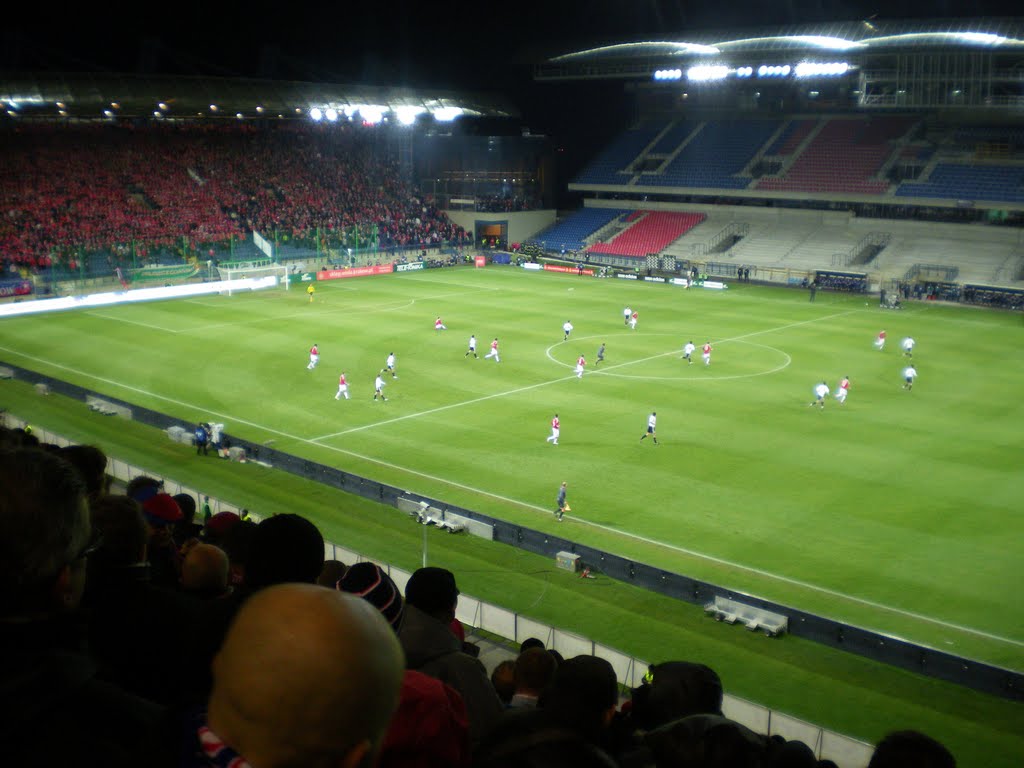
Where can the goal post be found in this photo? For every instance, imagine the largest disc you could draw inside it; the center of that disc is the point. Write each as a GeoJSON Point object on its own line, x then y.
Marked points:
{"type": "Point", "coordinates": [232, 273]}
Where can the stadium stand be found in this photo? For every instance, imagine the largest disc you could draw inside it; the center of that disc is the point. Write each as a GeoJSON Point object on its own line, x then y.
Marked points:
{"type": "Point", "coordinates": [845, 156]}
{"type": "Point", "coordinates": [571, 233]}
{"type": "Point", "coordinates": [651, 234]}
{"type": "Point", "coordinates": [673, 137]}
{"type": "Point", "coordinates": [90, 199]}
{"type": "Point", "coordinates": [969, 182]}
{"type": "Point", "coordinates": [711, 158]}
{"type": "Point", "coordinates": [611, 165]}
{"type": "Point", "coordinates": [791, 137]}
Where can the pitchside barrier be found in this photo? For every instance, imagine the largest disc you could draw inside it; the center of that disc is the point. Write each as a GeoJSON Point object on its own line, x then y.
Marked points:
{"type": "Point", "coordinates": [987, 678]}
{"type": "Point", "coordinates": [513, 628]}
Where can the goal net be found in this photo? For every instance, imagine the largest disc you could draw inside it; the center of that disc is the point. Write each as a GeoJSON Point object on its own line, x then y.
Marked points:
{"type": "Point", "coordinates": [251, 275]}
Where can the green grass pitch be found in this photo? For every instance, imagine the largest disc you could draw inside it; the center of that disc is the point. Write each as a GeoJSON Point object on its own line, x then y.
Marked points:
{"type": "Point", "coordinates": [898, 511]}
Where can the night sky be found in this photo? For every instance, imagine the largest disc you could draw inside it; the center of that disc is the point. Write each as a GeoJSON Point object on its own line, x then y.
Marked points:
{"type": "Point", "coordinates": [446, 43]}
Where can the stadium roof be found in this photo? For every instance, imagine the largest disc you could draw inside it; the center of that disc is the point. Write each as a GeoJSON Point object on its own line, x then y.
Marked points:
{"type": "Point", "coordinates": [868, 36]}
{"type": "Point", "coordinates": [98, 95]}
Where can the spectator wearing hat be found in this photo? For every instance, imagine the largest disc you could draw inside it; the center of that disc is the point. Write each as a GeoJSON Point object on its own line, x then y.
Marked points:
{"type": "Point", "coordinates": [54, 710]}
{"type": "Point", "coordinates": [217, 527]}
{"type": "Point", "coordinates": [161, 512]}
{"type": "Point", "coordinates": [583, 696]}
{"type": "Point", "coordinates": [431, 596]}
{"type": "Point", "coordinates": [282, 549]}
{"type": "Point", "coordinates": [430, 727]}
{"type": "Point", "coordinates": [306, 676]}
{"type": "Point", "coordinates": [331, 573]}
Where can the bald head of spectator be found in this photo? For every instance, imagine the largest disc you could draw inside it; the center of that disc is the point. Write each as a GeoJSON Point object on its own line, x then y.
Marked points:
{"type": "Point", "coordinates": [204, 571]}
{"type": "Point", "coordinates": [306, 676]}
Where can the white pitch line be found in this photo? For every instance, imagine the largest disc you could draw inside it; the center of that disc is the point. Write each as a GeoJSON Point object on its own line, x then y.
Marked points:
{"type": "Point", "coordinates": [526, 505]}
{"type": "Point", "coordinates": [100, 315]}
{"type": "Point", "coordinates": [518, 390]}
{"type": "Point", "coordinates": [802, 584]}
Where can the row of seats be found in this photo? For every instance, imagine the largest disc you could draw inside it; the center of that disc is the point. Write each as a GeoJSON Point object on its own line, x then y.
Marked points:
{"type": "Point", "coordinates": [969, 182]}
{"type": "Point", "coordinates": [571, 233]}
{"type": "Point", "coordinates": [845, 156]}
{"type": "Point", "coordinates": [651, 234]}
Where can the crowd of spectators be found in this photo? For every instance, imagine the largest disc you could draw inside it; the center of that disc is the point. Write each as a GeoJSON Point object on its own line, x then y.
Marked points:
{"type": "Point", "coordinates": [831, 281]}
{"type": "Point", "coordinates": [136, 630]}
{"type": "Point", "coordinates": [506, 203]}
{"type": "Point", "coordinates": [994, 297]}
{"type": "Point", "coordinates": [122, 193]}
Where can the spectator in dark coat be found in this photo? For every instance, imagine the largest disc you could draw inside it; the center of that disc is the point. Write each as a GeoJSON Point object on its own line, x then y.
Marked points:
{"type": "Point", "coordinates": [431, 648]}
{"type": "Point", "coordinates": [133, 621]}
{"type": "Point", "coordinates": [53, 708]}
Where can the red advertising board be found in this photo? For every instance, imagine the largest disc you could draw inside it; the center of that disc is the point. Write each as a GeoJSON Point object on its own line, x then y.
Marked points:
{"type": "Point", "coordinates": [574, 270]}
{"type": "Point", "coordinates": [337, 274]}
{"type": "Point", "coordinates": [480, 261]}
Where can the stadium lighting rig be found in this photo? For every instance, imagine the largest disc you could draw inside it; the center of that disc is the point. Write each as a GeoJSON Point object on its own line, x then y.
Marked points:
{"type": "Point", "coordinates": [704, 73]}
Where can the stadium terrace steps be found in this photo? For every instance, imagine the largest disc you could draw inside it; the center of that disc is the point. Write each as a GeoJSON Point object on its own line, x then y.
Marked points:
{"type": "Point", "coordinates": [844, 157]}
{"type": "Point", "coordinates": [610, 166]}
{"type": "Point", "coordinates": [978, 261]}
{"type": "Point", "coordinates": [715, 154]}
{"type": "Point", "coordinates": [673, 137]}
{"type": "Point", "coordinates": [792, 137]}
{"type": "Point", "coordinates": [571, 233]}
{"type": "Point", "coordinates": [651, 234]}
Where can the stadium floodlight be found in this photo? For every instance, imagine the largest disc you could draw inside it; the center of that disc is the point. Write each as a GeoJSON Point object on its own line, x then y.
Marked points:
{"type": "Point", "coordinates": [407, 114]}
{"type": "Point", "coordinates": [447, 114]}
{"type": "Point", "coordinates": [213, 107]}
{"type": "Point", "coordinates": [316, 114]}
{"type": "Point", "coordinates": [331, 114]}
{"type": "Point", "coordinates": [707, 72]}
{"type": "Point", "coordinates": [668, 74]}
{"type": "Point", "coordinates": [162, 106]}
{"type": "Point", "coordinates": [816, 69]}
{"type": "Point", "coordinates": [744, 71]}
{"type": "Point", "coordinates": [371, 113]}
